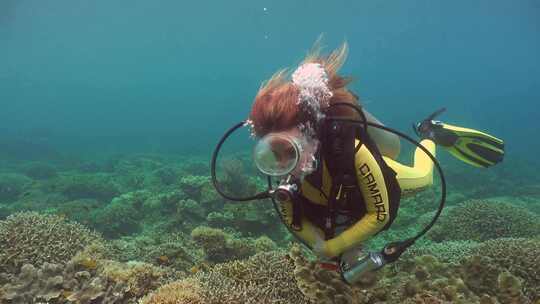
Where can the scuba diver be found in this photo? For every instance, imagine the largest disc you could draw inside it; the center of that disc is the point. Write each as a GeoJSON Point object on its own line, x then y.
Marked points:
{"type": "Point", "coordinates": [339, 181]}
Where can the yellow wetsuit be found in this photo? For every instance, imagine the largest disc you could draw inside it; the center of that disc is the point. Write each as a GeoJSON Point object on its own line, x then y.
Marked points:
{"type": "Point", "coordinates": [376, 199]}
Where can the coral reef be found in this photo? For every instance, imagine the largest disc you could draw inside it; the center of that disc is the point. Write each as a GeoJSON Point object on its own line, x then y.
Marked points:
{"type": "Point", "coordinates": [76, 186]}
{"type": "Point", "coordinates": [40, 170]}
{"type": "Point", "coordinates": [447, 252]}
{"type": "Point", "coordinates": [172, 239]}
{"type": "Point", "coordinates": [320, 285]}
{"type": "Point", "coordinates": [220, 246]}
{"type": "Point", "coordinates": [121, 216]}
{"type": "Point", "coordinates": [264, 278]}
{"type": "Point", "coordinates": [174, 250]}
{"type": "Point", "coordinates": [520, 257]}
{"type": "Point", "coordinates": [165, 176]}
{"type": "Point", "coordinates": [12, 185]}
{"type": "Point", "coordinates": [187, 291]}
{"type": "Point", "coordinates": [79, 210]}
{"type": "Point", "coordinates": [84, 279]}
{"type": "Point", "coordinates": [32, 238]}
{"type": "Point", "coordinates": [480, 220]}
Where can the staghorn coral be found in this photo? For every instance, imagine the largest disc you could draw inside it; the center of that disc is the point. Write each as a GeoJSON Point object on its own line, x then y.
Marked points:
{"type": "Point", "coordinates": [480, 220]}
{"type": "Point", "coordinates": [33, 238]}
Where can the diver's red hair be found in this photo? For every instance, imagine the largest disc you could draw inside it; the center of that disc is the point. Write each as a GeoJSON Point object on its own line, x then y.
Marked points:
{"type": "Point", "coordinates": [276, 105]}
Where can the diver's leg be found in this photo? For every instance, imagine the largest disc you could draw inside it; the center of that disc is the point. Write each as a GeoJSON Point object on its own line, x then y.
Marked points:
{"type": "Point", "coordinates": [418, 176]}
{"type": "Point", "coordinates": [388, 143]}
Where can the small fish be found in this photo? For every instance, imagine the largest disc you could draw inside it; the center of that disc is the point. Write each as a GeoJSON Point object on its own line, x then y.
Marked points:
{"type": "Point", "coordinates": [163, 260]}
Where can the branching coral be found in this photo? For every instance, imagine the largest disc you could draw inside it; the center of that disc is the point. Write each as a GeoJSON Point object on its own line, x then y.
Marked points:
{"type": "Point", "coordinates": [122, 216]}
{"type": "Point", "coordinates": [279, 278]}
{"type": "Point", "coordinates": [32, 238]}
{"type": "Point", "coordinates": [220, 246]}
{"type": "Point", "coordinates": [192, 185]}
{"type": "Point", "coordinates": [173, 250]}
{"type": "Point", "coordinates": [262, 279]}
{"type": "Point", "coordinates": [186, 291]}
{"type": "Point", "coordinates": [320, 285]}
{"type": "Point", "coordinates": [520, 257]}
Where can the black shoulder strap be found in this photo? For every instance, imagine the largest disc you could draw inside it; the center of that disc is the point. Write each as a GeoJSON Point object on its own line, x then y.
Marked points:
{"type": "Point", "coordinates": [339, 153]}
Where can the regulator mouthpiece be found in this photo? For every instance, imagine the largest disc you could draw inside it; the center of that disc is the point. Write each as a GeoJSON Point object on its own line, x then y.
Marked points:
{"type": "Point", "coordinates": [286, 191]}
{"type": "Point", "coordinates": [276, 154]}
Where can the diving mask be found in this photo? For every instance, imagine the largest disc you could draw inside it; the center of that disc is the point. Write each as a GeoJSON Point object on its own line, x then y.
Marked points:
{"type": "Point", "coordinates": [290, 152]}
{"type": "Point", "coordinates": [277, 154]}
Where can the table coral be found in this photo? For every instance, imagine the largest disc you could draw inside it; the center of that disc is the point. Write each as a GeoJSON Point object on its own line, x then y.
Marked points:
{"type": "Point", "coordinates": [480, 220]}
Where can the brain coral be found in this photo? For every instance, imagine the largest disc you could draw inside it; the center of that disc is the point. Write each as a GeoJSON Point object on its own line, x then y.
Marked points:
{"type": "Point", "coordinates": [33, 238]}
{"type": "Point", "coordinates": [480, 220]}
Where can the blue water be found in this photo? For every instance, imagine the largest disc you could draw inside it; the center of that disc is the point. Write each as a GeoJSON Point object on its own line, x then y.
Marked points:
{"type": "Point", "coordinates": [172, 75]}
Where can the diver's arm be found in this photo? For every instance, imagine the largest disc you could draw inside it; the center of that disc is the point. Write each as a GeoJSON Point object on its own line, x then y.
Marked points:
{"type": "Point", "coordinates": [354, 235]}
{"type": "Point", "coordinates": [420, 175]}
{"type": "Point", "coordinates": [308, 232]}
